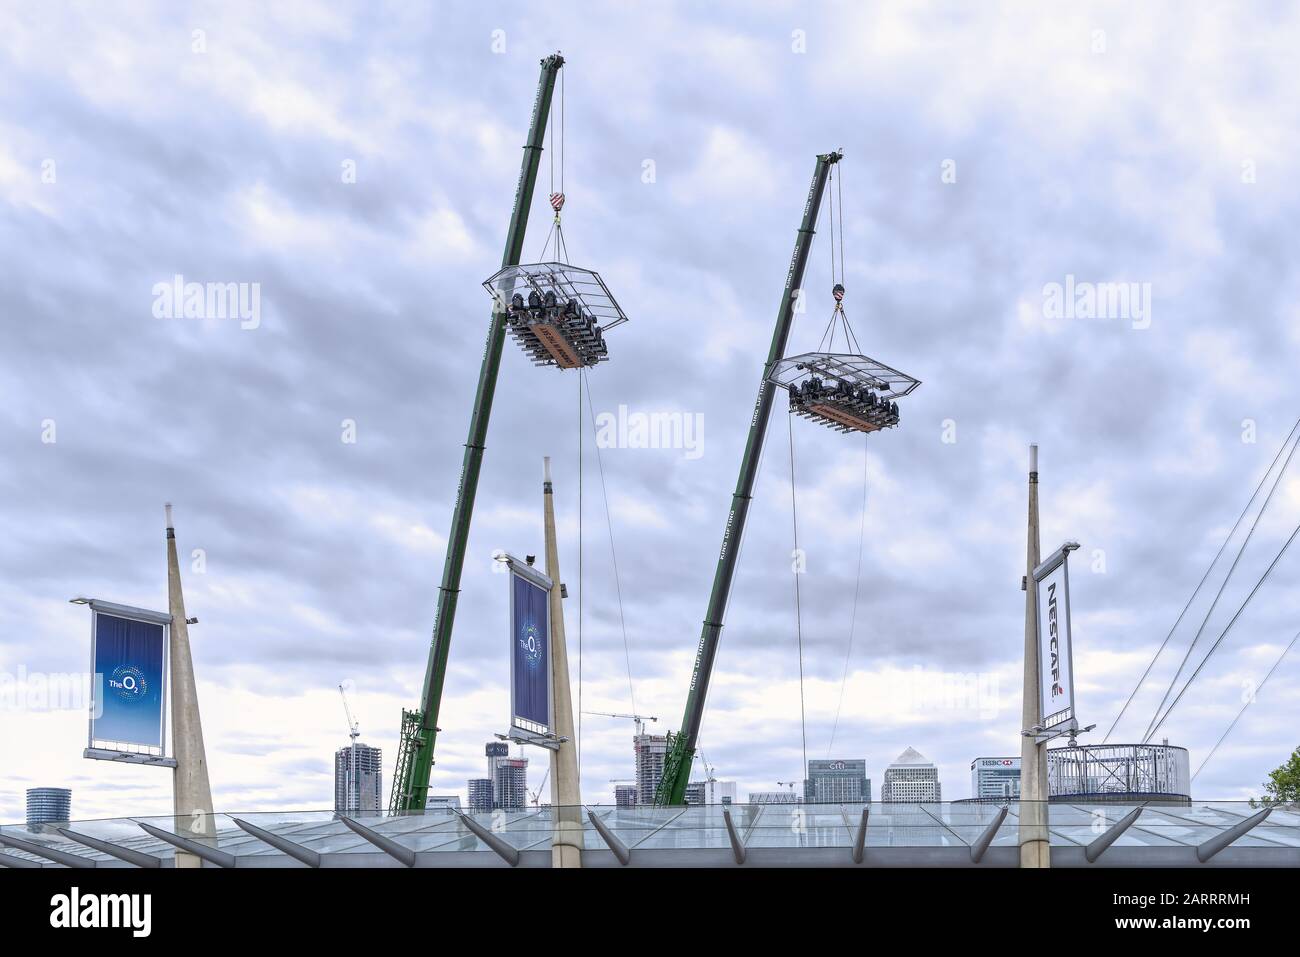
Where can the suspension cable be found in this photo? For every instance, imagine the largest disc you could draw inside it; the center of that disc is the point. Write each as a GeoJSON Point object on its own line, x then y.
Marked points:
{"type": "Point", "coordinates": [581, 374]}
{"type": "Point", "coordinates": [1223, 634]}
{"type": "Point", "coordinates": [1196, 591]}
{"type": "Point", "coordinates": [830, 211]}
{"type": "Point", "coordinates": [798, 604]}
{"type": "Point", "coordinates": [839, 187]}
{"type": "Point", "coordinates": [609, 521]}
{"type": "Point", "coordinates": [1223, 586]}
{"type": "Point", "coordinates": [857, 587]}
{"type": "Point", "coordinates": [1258, 689]}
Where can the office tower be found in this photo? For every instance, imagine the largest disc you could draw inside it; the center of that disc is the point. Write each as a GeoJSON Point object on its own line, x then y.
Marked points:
{"type": "Point", "coordinates": [48, 806]}
{"type": "Point", "coordinates": [911, 778]}
{"type": "Point", "coordinates": [358, 779]}
{"type": "Point", "coordinates": [480, 794]}
{"type": "Point", "coordinates": [650, 751]}
{"type": "Point", "coordinates": [995, 778]}
{"type": "Point", "coordinates": [837, 781]}
{"type": "Point", "coordinates": [509, 776]}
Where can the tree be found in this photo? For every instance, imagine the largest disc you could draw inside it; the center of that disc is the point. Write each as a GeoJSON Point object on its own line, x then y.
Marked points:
{"type": "Point", "coordinates": [1283, 784]}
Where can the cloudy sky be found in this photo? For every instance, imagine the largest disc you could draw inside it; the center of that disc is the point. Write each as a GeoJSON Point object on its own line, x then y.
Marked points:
{"type": "Point", "coordinates": [358, 164]}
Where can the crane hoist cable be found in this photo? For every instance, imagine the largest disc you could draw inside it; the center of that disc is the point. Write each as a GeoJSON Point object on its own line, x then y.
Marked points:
{"type": "Point", "coordinates": [857, 587]}
{"type": "Point", "coordinates": [613, 554]}
{"type": "Point", "coordinates": [1222, 587]}
{"type": "Point", "coordinates": [797, 567]}
{"type": "Point", "coordinates": [839, 320]}
{"type": "Point", "coordinates": [1197, 590]}
{"type": "Point", "coordinates": [1258, 689]}
{"type": "Point", "coordinates": [557, 197]}
{"type": "Point", "coordinates": [581, 581]}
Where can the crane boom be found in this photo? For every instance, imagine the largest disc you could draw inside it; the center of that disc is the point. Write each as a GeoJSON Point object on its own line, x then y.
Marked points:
{"type": "Point", "coordinates": [640, 719]}
{"type": "Point", "coordinates": [681, 746]}
{"type": "Point", "coordinates": [354, 729]}
{"type": "Point", "coordinates": [420, 728]}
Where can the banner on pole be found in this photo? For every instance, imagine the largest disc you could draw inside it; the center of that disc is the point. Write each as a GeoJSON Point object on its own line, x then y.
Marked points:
{"type": "Point", "coordinates": [1055, 654]}
{"type": "Point", "coordinates": [530, 653]}
{"type": "Point", "coordinates": [129, 651]}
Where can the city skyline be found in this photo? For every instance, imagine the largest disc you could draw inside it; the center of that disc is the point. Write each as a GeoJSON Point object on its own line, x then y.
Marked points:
{"type": "Point", "coordinates": [313, 450]}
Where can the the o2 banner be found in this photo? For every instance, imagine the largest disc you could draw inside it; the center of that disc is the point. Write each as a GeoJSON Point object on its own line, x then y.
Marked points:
{"type": "Point", "coordinates": [129, 693]}
{"type": "Point", "coordinates": [530, 653]}
{"type": "Point", "coordinates": [1055, 656]}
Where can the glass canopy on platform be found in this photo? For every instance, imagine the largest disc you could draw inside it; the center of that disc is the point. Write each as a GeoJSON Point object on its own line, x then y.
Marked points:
{"type": "Point", "coordinates": [950, 834]}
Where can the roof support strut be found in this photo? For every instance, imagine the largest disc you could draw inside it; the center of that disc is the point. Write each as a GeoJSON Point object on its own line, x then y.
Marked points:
{"type": "Point", "coordinates": [1107, 837]}
{"type": "Point", "coordinates": [609, 837]}
{"type": "Point", "coordinates": [1215, 844]}
{"type": "Point", "coordinates": [49, 853]}
{"type": "Point", "coordinates": [507, 852]}
{"type": "Point", "coordinates": [737, 845]}
{"type": "Point", "coordinates": [283, 844]}
{"type": "Point", "coordinates": [137, 858]}
{"type": "Point", "coordinates": [860, 839]}
{"type": "Point", "coordinates": [201, 851]}
{"type": "Point", "coordinates": [982, 843]}
{"type": "Point", "coordinates": [386, 844]}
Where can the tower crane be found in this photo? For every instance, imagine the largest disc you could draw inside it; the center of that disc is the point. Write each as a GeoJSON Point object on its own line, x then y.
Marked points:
{"type": "Point", "coordinates": [354, 729]}
{"type": "Point", "coordinates": [536, 796]}
{"type": "Point", "coordinates": [681, 746]}
{"type": "Point", "coordinates": [349, 784]}
{"type": "Point", "coordinates": [640, 719]}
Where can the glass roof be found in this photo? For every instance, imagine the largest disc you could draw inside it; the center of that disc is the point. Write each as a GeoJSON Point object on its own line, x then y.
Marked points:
{"type": "Point", "coordinates": [441, 831]}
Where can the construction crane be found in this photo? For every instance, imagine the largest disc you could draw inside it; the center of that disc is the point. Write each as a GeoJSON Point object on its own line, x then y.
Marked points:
{"type": "Point", "coordinates": [708, 768]}
{"type": "Point", "coordinates": [354, 732]}
{"type": "Point", "coordinates": [536, 796]}
{"type": "Point", "coordinates": [420, 727]}
{"type": "Point", "coordinates": [354, 729]}
{"type": "Point", "coordinates": [681, 746]}
{"type": "Point", "coordinates": [640, 719]}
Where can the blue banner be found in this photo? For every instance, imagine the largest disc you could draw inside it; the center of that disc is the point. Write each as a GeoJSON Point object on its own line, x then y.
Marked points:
{"type": "Point", "coordinates": [129, 667]}
{"type": "Point", "coordinates": [530, 662]}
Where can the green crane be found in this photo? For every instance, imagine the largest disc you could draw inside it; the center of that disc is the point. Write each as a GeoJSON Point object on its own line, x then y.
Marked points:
{"type": "Point", "coordinates": [419, 728]}
{"type": "Point", "coordinates": [681, 746]}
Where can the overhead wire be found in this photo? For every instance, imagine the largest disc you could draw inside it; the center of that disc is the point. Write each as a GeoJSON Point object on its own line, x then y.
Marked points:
{"type": "Point", "coordinates": [1196, 591]}
{"type": "Point", "coordinates": [1223, 634]}
{"type": "Point", "coordinates": [1223, 586]}
{"type": "Point", "coordinates": [1201, 583]}
{"type": "Point", "coordinates": [1258, 689]}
